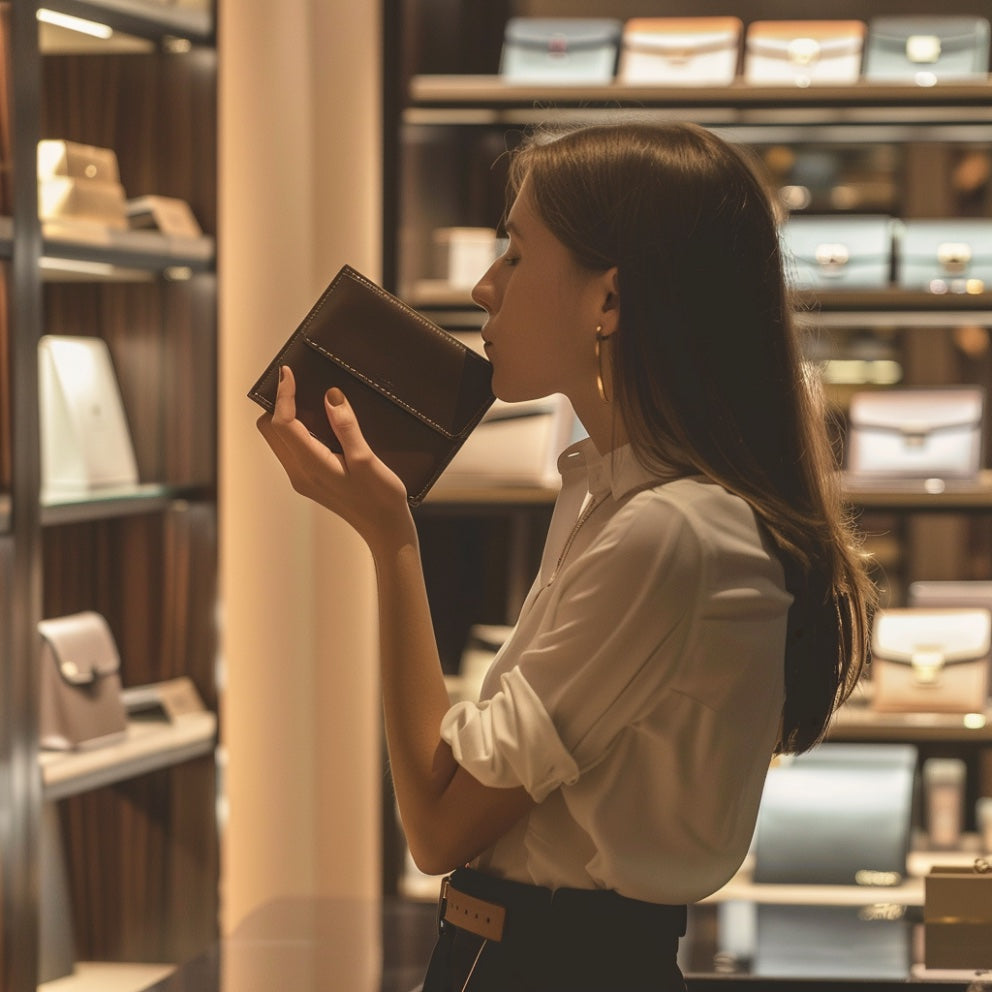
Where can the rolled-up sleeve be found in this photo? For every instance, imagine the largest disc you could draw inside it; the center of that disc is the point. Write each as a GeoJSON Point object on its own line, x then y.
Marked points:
{"type": "Point", "coordinates": [509, 740]}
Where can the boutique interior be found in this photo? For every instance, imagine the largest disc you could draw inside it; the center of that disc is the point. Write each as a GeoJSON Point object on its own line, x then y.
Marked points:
{"type": "Point", "coordinates": [207, 805]}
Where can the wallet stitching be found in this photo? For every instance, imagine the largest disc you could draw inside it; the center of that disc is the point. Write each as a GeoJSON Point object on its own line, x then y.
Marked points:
{"type": "Point", "coordinates": [362, 377]}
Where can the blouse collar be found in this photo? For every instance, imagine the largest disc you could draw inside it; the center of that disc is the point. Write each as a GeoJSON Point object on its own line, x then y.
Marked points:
{"type": "Point", "coordinates": [616, 473]}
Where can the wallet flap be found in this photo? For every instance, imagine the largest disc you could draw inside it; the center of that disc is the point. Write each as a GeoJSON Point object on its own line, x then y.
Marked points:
{"type": "Point", "coordinates": [920, 637]}
{"type": "Point", "coordinates": [674, 35]}
{"type": "Point", "coordinates": [916, 413]}
{"type": "Point", "coordinates": [83, 646]}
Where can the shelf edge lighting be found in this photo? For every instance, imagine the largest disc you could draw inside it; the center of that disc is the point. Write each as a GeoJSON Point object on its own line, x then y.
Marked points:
{"type": "Point", "coordinates": [70, 23]}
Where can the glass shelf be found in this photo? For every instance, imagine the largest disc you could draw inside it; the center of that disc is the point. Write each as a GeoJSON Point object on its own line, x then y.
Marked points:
{"type": "Point", "coordinates": [143, 18]}
{"type": "Point", "coordinates": [100, 504]}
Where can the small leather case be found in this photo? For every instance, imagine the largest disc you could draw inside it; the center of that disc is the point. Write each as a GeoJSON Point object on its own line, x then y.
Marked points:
{"type": "Point", "coordinates": [927, 50]}
{"type": "Point", "coordinates": [931, 660]}
{"type": "Point", "coordinates": [73, 160]}
{"type": "Point", "coordinates": [803, 53]}
{"type": "Point", "coordinates": [560, 49]}
{"type": "Point", "coordinates": [680, 51]}
{"type": "Point", "coordinates": [417, 391]}
{"type": "Point", "coordinates": [81, 704]}
{"type": "Point", "coordinates": [909, 433]}
{"type": "Point", "coordinates": [945, 256]}
{"type": "Point", "coordinates": [838, 252]}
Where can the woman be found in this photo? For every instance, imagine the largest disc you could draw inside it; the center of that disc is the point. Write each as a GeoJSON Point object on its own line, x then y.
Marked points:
{"type": "Point", "coordinates": [701, 603]}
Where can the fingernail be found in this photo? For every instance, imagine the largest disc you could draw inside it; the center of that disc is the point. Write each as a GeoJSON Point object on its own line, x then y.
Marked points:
{"type": "Point", "coordinates": [334, 396]}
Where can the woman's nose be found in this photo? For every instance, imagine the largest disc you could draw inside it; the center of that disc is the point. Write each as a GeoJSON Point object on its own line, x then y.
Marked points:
{"type": "Point", "coordinates": [483, 292]}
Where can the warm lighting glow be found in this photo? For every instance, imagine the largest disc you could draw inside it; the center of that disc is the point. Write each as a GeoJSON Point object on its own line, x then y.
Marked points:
{"type": "Point", "coordinates": [974, 721]}
{"type": "Point", "coordinates": [70, 23]}
{"type": "Point", "coordinates": [77, 266]}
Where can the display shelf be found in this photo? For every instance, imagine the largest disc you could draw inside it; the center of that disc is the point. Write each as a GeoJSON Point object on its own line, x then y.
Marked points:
{"type": "Point", "coordinates": [863, 308]}
{"type": "Point", "coordinates": [102, 249]}
{"type": "Point", "coordinates": [923, 495]}
{"type": "Point", "coordinates": [118, 501]}
{"type": "Point", "coordinates": [143, 18]}
{"type": "Point", "coordinates": [100, 976]}
{"type": "Point", "coordinates": [150, 744]}
{"type": "Point", "coordinates": [856, 721]}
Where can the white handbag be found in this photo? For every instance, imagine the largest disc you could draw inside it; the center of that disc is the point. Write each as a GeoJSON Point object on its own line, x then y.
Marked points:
{"type": "Point", "coordinates": [931, 660]}
{"type": "Point", "coordinates": [804, 53]}
{"type": "Point", "coordinates": [680, 51]}
{"type": "Point", "coordinates": [85, 441]}
{"type": "Point", "coordinates": [916, 433]}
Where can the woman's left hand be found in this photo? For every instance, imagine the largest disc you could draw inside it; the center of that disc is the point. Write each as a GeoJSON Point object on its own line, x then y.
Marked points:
{"type": "Point", "coordinates": [356, 484]}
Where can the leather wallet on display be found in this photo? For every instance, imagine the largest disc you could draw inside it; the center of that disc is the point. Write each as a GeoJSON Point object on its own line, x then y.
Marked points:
{"type": "Point", "coordinates": [908, 433]}
{"type": "Point", "coordinates": [931, 660]}
{"type": "Point", "coordinates": [837, 815]}
{"type": "Point", "coordinates": [560, 49]}
{"type": "Point", "coordinates": [943, 593]}
{"type": "Point", "coordinates": [837, 252]}
{"type": "Point", "coordinates": [417, 391]}
{"type": "Point", "coordinates": [957, 917]}
{"type": "Point", "coordinates": [81, 704]}
{"type": "Point", "coordinates": [945, 256]}
{"type": "Point", "coordinates": [680, 51]}
{"type": "Point", "coordinates": [803, 53]}
{"type": "Point", "coordinates": [927, 50]}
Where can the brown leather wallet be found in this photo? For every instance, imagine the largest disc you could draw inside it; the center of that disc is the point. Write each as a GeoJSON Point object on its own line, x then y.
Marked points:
{"type": "Point", "coordinates": [417, 391]}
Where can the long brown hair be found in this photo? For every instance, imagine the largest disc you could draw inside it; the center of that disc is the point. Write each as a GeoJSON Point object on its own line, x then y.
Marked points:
{"type": "Point", "coordinates": [707, 370]}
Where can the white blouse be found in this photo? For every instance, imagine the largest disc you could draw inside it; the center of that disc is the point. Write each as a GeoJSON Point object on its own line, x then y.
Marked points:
{"type": "Point", "coordinates": [639, 696]}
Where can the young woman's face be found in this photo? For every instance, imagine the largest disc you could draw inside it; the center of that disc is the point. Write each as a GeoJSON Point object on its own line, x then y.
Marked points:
{"type": "Point", "coordinates": [543, 309]}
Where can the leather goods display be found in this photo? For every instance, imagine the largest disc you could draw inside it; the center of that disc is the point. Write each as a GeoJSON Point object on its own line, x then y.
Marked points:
{"type": "Point", "coordinates": [945, 256]}
{"type": "Point", "coordinates": [80, 183]}
{"type": "Point", "coordinates": [852, 943]}
{"type": "Point", "coordinates": [838, 815]}
{"type": "Point", "coordinates": [516, 444]}
{"type": "Point", "coordinates": [85, 440]}
{"type": "Point", "coordinates": [957, 916]}
{"type": "Point", "coordinates": [417, 391]}
{"type": "Point", "coordinates": [944, 593]}
{"type": "Point", "coordinates": [837, 252]}
{"type": "Point", "coordinates": [167, 214]}
{"type": "Point", "coordinates": [680, 51]}
{"type": "Point", "coordinates": [560, 49]}
{"type": "Point", "coordinates": [81, 705]}
{"type": "Point", "coordinates": [908, 433]}
{"type": "Point", "coordinates": [931, 660]}
{"type": "Point", "coordinates": [803, 53]}
{"type": "Point", "coordinates": [927, 50]}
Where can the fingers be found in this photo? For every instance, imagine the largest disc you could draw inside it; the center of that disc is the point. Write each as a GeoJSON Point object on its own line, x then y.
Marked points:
{"type": "Point", "coordinates": [285, 405]}
{"type": "Point", "coordinates": [341, 417]}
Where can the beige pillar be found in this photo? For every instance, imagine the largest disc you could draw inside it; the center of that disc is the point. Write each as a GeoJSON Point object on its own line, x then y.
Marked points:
{"type": "Point", "coordinates": [299, 196]}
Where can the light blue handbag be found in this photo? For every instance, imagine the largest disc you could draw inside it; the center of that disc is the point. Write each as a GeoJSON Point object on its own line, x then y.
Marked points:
{"type": "Point", "coordinates": [945, 256]}
{"type": "Point", "coordinates": [926, 50]}
{"type": "Point", "coordinates": [838, 815]}
{"type": "Point", "coordinates": [560, 49]}
{"type": "Point", "coordinates": [837, 252]}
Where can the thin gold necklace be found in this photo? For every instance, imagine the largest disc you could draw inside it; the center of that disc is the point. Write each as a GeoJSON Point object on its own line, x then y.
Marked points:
{"type": "Point", "coordinates": [591, 508]}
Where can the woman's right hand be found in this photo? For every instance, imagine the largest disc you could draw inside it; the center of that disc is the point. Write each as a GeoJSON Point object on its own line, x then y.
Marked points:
{"type": "Point", "coordinates": [356, 484]}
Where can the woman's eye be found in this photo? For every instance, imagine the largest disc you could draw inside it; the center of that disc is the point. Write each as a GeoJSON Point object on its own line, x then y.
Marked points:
{"type": "Point", "coordinates": [510, 259]}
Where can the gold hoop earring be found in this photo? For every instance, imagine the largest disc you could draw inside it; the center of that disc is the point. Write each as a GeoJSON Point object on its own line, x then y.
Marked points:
{"type": "Point", "coordinates": [600, 381]}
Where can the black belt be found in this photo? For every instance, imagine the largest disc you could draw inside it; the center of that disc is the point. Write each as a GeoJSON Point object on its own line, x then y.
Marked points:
{"type": "Point", "coordinates": [495, 908]}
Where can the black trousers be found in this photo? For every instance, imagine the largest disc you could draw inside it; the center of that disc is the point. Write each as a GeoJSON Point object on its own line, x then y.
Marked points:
{"type": "Point", "coordinates": [569, 940]}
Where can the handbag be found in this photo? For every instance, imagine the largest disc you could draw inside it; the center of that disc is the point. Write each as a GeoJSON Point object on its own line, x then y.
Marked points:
{"type": "Point", "coordinates": [680, 51]}
{"type": "Point", "coordinates": [417, 391]}
{"type": "Point", "coordinates": [803, 53]}
{"type": "Point", "coordinates": [945, 256]}
{"type": "Point", "coordinates": [81, 704]}
{"type": "Point", "coordinates": [931, 660]}
{"type": "Point", "coordinates": [926, 50]}
{"type": "Point", "coordinates": [560, 49]}
{"type": "Point", "coordinates": [837, 815]}
{"type": "Point", "coordinates": [908, 433]}
{"type": "Point", "coordinates": [516, 444]}
{"type": "Point", "coordinates": [837, 252]}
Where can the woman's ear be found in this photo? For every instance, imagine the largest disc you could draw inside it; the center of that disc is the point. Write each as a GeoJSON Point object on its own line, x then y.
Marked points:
{"type": "Point", "coordinates": [610, 289]}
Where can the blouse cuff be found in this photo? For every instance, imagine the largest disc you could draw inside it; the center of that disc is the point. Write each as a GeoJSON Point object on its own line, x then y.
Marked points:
{"type": "Point", "coordinates": [509, 740]}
